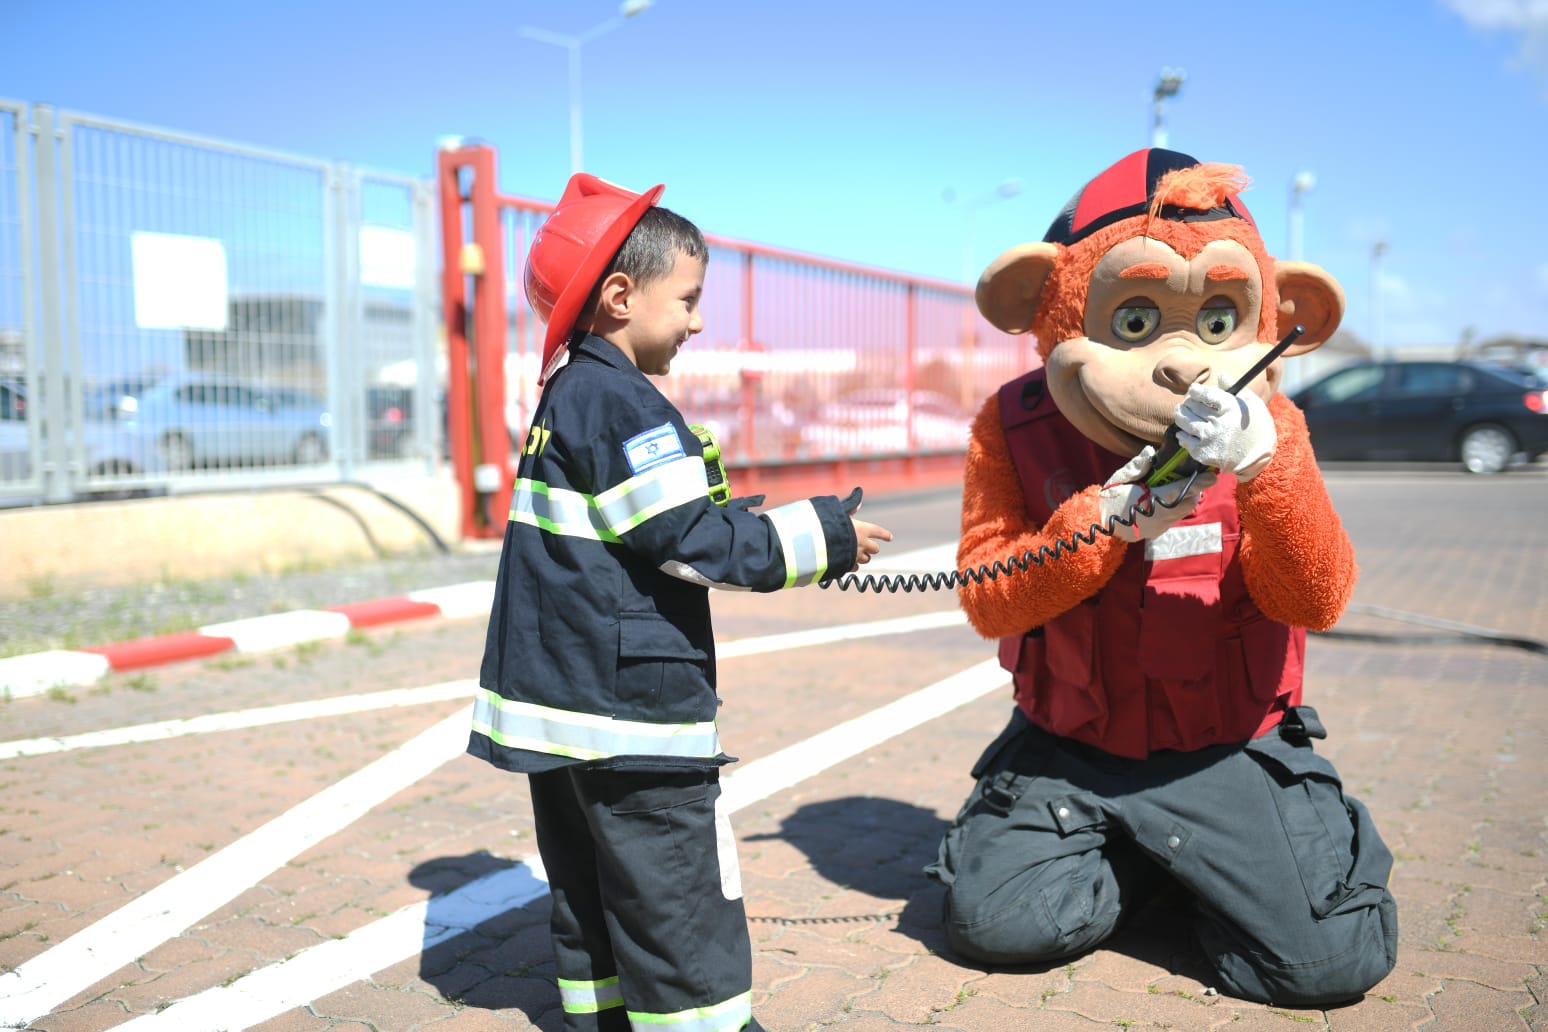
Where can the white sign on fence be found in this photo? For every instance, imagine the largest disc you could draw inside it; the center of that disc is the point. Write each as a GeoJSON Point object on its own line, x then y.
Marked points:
{"type": "Point", "coordinates": [179, 282]}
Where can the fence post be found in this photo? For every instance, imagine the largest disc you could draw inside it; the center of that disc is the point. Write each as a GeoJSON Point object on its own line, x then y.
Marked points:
{"type": "Point", "coordinates": [51, 373]}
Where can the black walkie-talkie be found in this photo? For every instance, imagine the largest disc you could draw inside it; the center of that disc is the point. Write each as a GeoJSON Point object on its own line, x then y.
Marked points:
{"type": "Point", "coordinates": [1173, 462]}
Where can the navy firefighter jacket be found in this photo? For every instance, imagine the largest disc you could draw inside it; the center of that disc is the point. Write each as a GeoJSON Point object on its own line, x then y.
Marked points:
{"type": "Point", "coordinates": [600, 648]}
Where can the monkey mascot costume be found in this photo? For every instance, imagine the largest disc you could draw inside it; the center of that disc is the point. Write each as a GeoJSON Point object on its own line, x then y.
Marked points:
{"type": "Point", "coordinates": [1158, 735]}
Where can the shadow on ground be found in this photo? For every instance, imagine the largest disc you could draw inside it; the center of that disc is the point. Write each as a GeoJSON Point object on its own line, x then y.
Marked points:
{"type": "Point", "coordinates": [879, 847]}
{"type": "Point", "coordinates": [501, 963]}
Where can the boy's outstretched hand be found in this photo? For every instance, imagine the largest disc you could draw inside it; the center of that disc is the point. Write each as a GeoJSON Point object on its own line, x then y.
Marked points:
{"type": "Point", "coordinates": [868, 536]}
{"type": "Point", "coordinates": [868, 541]}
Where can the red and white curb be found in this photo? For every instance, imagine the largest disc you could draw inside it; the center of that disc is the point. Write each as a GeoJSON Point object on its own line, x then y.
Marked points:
{"type": "Point", "coordinates": [38, 672]}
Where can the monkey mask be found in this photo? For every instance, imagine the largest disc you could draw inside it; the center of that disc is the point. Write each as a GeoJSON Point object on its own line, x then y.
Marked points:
{"type": "Point", "coordinates": [1154, 278]}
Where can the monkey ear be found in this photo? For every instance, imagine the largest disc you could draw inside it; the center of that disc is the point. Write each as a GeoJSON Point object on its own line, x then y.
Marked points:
{"type": "Point", "coordinates": [1010, 287]}
{"type": "Point", "coordinates": [1310, 297]}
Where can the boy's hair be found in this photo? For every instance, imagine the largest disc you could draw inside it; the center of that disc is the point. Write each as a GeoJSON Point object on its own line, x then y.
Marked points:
{"type": "Point", "coordinates": [651, 249]}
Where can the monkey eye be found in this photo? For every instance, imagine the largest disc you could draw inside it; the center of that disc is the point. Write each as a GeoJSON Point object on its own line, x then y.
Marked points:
{"type": "Point", "coordinates": [1133, 323]}
{"type": "Point", "coordinates": [1217, 322]}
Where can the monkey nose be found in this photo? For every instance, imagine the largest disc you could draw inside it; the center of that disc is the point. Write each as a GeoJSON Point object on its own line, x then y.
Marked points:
{"type": "Point", "coordinates": [1181, 368]}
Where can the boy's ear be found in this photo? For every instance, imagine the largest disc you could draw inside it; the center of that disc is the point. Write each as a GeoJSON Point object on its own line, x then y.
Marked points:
{"type": "Point", "coordinates": [614, 296]}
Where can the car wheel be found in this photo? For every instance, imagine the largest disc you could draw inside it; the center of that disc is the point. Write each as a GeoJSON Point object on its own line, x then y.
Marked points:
{"type": "Point", "coordinates": [177, 452]}
{"type": "Point", "coordinates": [310, 450]}
{"type": "Point", "coordinates": [1487, 449]}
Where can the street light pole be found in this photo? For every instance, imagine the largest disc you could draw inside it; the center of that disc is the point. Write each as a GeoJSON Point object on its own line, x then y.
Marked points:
{"type": "Point", "coordinates": [1167, 86]}
{"type": "Point", "coordinates": [1004, 192]}
{"type": "Point", "coordinates": [573, 44]}
{"type": "Point", "coordinates": [1302, 182]}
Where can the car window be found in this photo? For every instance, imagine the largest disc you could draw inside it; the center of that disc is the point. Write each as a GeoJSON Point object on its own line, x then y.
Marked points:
{"type": "Point", "coordinates": [13, 406]}
{"type": "Point", "coordinates": [1355, 384]}
{"type": "Point", "coordinates": [1431, 379]}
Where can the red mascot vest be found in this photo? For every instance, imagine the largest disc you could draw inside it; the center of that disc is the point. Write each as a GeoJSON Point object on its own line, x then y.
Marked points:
{"type": "Point", "coordinates": [1172, 653]}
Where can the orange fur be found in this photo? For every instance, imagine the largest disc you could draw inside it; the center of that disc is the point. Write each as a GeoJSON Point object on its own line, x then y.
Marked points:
{"type": "Point", "coordinates": [1298, 561]}
{"type": "Point", "coordinates": [996, 527]}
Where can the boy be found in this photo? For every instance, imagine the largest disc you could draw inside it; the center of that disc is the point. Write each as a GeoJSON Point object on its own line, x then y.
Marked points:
{"type": "Point", "coordinates": [598, 678]}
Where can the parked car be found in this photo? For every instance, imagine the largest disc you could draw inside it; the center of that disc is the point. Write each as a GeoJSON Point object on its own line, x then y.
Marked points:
{"type": "Point", "coordinates": [109, 450]}
{"type": "Point", "coordinates": [210, 419]}
{"type": "Point", "coordinates": [1470, 412]}
{"type": "Point", "coordinates": [876, 420]}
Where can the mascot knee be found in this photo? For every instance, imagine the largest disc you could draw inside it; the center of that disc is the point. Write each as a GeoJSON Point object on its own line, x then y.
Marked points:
{"type": "Point", "coordinates": [1024, 933]}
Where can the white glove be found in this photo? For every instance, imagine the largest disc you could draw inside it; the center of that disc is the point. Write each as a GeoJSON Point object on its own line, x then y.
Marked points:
{"type": "Point", "coordinates": [1231, 432]}
{"type": "Point", "coordinates": [1168, 502]}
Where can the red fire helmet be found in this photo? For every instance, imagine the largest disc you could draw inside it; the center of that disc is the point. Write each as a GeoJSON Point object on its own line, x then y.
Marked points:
{"type": "Point", "coordinates": [570, 251]}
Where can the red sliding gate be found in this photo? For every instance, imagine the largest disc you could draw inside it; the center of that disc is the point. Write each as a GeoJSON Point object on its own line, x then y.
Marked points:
{"type": "Point", "coordinates": [814, 374]}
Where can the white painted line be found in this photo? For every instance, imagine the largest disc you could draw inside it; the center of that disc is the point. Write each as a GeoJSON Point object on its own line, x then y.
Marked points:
{"type": "Point", "coordinates": [37, 672]}
{"type": "Point", "coordinates": [315, 972]}
{"type": "Point", "coordinates": [339, 705]}
{"type": "Point", "coordinates": [266, 633]}
{"type": "Point", "coordinates": [260, 717]}
{"type": "Point", "coordinates": [319, 970]}
{"type": "Point", "coordinates": [475, 598]}
{"type": "Point", "coordinates": [36, 986]}
{"type": "Point", "coordinates": [169, 909]}
{"type": "Point", "coordinates": [841, 632]}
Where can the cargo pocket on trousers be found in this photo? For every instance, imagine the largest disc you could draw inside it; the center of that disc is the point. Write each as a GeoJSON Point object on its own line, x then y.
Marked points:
{"type": "Point", "coordinates": [661, 674]}
{"type": "Point", "coordinates": [1318, 822]}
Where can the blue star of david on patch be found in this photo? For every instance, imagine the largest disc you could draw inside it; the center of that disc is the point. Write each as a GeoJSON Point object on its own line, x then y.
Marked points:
{"type": "Point", "coordinates": [653, 447]}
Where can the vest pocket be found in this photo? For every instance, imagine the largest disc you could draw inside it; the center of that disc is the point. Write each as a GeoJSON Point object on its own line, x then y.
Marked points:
{"type": "Point", "coordinates": [661, 673]}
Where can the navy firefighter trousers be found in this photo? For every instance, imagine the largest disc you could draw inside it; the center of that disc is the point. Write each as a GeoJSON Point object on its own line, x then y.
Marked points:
{"type": "Point", "coordinates": [648, 925]}
{"type": "Point", "coordinates": [1285, 875]}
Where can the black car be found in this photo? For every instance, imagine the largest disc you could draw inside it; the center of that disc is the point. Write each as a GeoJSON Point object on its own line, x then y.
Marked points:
{"type": "Point", "coordinates": [1470, 412]}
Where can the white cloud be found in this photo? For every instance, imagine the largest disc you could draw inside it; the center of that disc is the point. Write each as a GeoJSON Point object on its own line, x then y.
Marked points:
{"type": "Point", "coordinates": [1525, 19]}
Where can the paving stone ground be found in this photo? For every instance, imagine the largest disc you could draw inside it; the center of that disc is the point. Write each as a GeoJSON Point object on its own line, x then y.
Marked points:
{"type": "Point", "coordinates": [1441, 734]}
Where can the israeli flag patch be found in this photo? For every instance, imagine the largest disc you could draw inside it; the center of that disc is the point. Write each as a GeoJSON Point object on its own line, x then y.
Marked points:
{"type": "Point", "coordinates": [653, 447]}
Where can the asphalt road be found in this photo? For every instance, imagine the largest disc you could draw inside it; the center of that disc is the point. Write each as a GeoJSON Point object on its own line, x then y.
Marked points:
{"type": "Point", "coordinates": [294, 841]}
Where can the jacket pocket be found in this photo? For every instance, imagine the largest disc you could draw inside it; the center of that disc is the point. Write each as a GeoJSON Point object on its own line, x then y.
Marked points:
{"type": "Point", "coordinates": [662, 675]}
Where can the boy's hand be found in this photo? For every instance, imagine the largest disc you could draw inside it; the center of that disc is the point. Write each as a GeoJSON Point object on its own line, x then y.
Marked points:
{"type": "Point", "coordinates": [868, 539]}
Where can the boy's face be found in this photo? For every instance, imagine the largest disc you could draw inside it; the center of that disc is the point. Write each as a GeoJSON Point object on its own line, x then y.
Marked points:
{"type": "Point", "coordinates": [663, 314]}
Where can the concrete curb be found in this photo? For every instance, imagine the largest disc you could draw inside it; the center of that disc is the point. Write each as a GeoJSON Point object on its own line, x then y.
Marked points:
{"type": "Point", "coordinates": [38, 672]}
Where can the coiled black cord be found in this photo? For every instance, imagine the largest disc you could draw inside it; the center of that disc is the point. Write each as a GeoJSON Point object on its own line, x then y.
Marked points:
{"type": "Point", "coordinates": [947, 579]}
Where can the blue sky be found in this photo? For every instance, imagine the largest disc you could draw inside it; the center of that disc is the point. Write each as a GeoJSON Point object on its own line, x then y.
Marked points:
{"type": "Point", "coordinates": [840, 128]}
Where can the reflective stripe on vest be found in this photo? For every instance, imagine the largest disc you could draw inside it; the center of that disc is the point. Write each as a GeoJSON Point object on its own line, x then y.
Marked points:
{"type": "Point", "coordinates": [801, 539]}
{"type": "Point", "coordinates": [720, 1017]}
{"type": "Point", "coordinates": [590, 997]}
{"type": "Point", "coordinates": [582, 736]}
{"type": "Point", "coordinates": [608, 515]}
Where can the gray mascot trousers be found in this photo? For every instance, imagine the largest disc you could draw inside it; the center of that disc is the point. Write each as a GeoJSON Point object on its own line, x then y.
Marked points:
{"type": "Point", "coordinates": [1286, 875]}
{"type": "Point", "coordinates": [647, 914]}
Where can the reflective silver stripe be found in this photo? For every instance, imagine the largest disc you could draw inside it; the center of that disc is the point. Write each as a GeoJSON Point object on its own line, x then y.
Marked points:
{"type": "Point", "coordinates": [653, 492]}
{"type": "Point", "coordinates": [584, 736]}
{"type": "Point", "coordinates": [800, 536]}
{"type": "Point", "coordinates": [682, 571]}
{"type": "Point", "coordinates": [1181, 542]}
{"type": "Point", "coordinates": [558, 511]}
{"type": "Point", "coordinates": [719, 1017]}
{"type": "Point", "coordinates": [590, 997]}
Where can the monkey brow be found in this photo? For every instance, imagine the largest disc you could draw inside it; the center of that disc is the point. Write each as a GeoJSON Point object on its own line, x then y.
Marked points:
{"type": "Point", "coordinates": [1146, 271]}
{"type": "Point", "coordinates": [1226, 272]}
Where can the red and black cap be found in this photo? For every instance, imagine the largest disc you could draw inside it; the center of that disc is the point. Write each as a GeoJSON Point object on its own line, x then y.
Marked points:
{"type": "Point", "coordinates": [1128, 188]}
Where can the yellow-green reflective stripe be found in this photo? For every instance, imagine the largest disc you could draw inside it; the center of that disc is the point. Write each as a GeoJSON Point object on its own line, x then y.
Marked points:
{"type": "Point", "coordinates": [590, 997]}
{"type": "Point", "coordinates": [720, 1017]}
{"type": "Point", "coordinates": [653, 492]}
{"type": "Point", "coordinates": [585, 736]}
{"type": "Point", "coordinates": [801, 539]}
{"type": "Point", "coordinates": [615, 511]}
{"type": "Point", "coordinates": [558, 511]}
